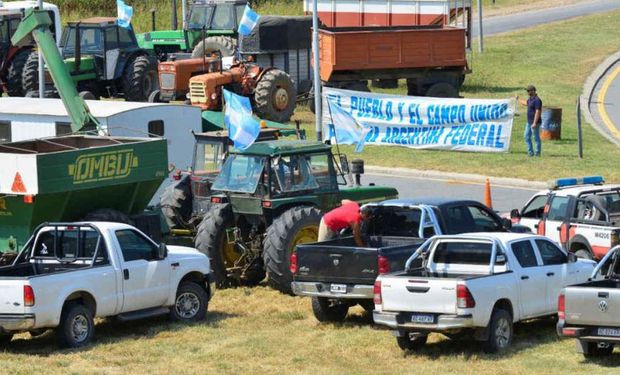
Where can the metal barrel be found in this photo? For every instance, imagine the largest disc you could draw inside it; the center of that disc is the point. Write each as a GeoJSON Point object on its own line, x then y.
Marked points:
{"type": "Point", "coordinates": [551, 123]}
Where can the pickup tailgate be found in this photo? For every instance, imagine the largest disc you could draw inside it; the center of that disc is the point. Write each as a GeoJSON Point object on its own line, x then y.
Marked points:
{"type": "Point", "coordinates": [337, 264]}
{"type": "Point", "coordinates": [596, 306]}
{"type": "Point", "coordinates": [12, 297]}
{"type": "Point", "coordinates": [418, 294]}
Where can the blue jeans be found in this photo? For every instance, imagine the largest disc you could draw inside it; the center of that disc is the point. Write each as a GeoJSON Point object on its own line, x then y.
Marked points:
{"type": "Point", "coordinates": [528, 139]}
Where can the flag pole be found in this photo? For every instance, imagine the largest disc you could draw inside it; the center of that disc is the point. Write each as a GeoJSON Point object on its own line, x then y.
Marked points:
{"type": "Point", "coordinates": [317, 79]}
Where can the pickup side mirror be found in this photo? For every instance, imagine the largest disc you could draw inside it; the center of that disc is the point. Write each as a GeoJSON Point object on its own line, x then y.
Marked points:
{"type": "Point", "coordinates": [162, 251]}
{"type": "Point", "coordinates": [515, 214]}
{"type": "Point", "coordinates": [500, 260]}
{"type": "Point", "coordinates": [572, 258]}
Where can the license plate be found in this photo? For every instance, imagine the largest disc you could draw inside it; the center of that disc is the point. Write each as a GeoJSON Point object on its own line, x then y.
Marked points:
{"type": "Point", "coordinates": [609, 332]}
{"type": "Point", "coordinates": [338, 288]}
{"type": "Point", "coordinates": [422, 318]}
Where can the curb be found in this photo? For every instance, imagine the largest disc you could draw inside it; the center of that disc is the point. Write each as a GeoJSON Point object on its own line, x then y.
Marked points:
{"type": "Point", "coordinates": [449, 176]}
{"type": "Point", "coordinates": [588, 92]}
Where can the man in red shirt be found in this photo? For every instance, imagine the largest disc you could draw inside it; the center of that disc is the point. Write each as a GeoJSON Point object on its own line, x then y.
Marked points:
{"type": "Point", "coordinates": [348, 215]}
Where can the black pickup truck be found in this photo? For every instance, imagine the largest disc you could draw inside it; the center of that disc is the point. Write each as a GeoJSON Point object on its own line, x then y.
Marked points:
{"type": "Point", "coordinates": [337, 274]}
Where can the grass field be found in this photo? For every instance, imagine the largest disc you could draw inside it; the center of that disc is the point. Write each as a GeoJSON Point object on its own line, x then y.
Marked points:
{"type": "Point", "coordinates": [259, 331]}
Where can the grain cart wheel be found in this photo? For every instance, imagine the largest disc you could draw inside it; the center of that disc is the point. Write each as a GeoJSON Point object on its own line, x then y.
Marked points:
{"type": "Point", "coordinates": [442, 90]}
{"type": "Point", "coordinates": [408, 341]}
{"type": "Point", "coordinates": [500, 332]}
{"type": "Point", "coordinates": [76, 327]}
{"type": "Point", "coordinates": [30, 73]}
{"type": "Point", "coordinates": [295, 226]}
{"type": "Point", "coordinates": [329, 310]}
{"type": "Point", "coordinates": [212, 240]}
{"type": "Point", "coordinates": [225, 44]}
{"type": "Point", "coordinates": [139, 79]}
{"type": "Point", "coordinates": [109, 215]}
{"type": "Point", "coordinates": [275, 96]}
{"type": "Point", "coordinates": [191, 303]}
{"type": "Point", "coordinates": [176, 203]}
{"type": "Point", "coordinates": [15, 73]}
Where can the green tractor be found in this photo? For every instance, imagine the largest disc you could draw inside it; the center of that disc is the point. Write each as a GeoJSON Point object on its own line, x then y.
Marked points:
{"type": "Point", "coordinates": [210, 26]}
{"type": "Point", "coordinates": [104, 60]}
{"type": "Point", "coordinates": [268, 199]}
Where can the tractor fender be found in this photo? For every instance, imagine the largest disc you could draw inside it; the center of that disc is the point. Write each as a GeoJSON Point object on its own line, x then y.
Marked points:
{"type": "Point", "coordinates": [278, 210]}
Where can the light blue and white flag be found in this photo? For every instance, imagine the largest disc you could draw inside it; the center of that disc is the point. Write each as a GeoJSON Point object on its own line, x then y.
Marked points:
{"type": "Point", "coordinates": [243, 129]}
{"type": "Point", "coordinates": [248, 21]}
{"type": "Point", "coordinates": [346, 129]}
{"type": "Point", "coordinates": [125, 12]}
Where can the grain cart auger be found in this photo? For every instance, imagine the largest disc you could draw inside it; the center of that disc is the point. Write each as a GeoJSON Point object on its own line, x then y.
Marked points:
{"type": "Point", "coordinates": [75, 177]}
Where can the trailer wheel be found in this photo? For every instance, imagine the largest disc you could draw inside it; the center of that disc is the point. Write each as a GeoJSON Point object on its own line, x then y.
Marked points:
{"type": "Point", "coordinates": [329, 310]}
{"type": "Point", "coordinates": [76, 327]}
{"type": "Point", "coordinates": [295, 226]}
{"type": "Point", "coordinates": [407, 342]}
{"type": "Point", "coordinates": [594, 350]}
{"type": "Point", "coordinates": [15, 73]}
{"type": "Point", "coordinates": [500, 332]}
{"type": "Point", "coordinates": [139, 79]}
{"type": "Point", "coordinates": [275, 96]}
{"type": "Point", "coordinates": [225, 44]}
{"type": "Point", "coordinates": [30, 73]}
{"type": "Point", "coordinates": [176, 203]}
{"type": "Point", "coordinates": [442, 90]}
{"type": "Point", "coordinates": [109, 215]}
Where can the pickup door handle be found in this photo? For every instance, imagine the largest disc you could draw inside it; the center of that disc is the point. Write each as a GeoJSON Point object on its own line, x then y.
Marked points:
{"type": "Point", "coordinates": [550, 274]}
{"type": "Point", "coordinates": [603, 294]}
{"type": "Point", "coordinates": [176, 264]}
{"type": "Point", "coordinates": [525, 277]}
{"type": "Point", "coordinates": [126, 274]}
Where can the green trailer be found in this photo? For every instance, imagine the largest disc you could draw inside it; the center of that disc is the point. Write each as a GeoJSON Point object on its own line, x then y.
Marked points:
{"type": "Point", "coordinates": [74, 178]}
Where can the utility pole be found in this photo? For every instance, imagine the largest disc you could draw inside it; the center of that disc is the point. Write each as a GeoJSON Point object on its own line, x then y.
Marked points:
{"type": "Point", "coordinates": [41, 65]}
{"type": "Point", "coordinates": [480, 33]}
{"type": "Point", "coordinates": [317, 78]}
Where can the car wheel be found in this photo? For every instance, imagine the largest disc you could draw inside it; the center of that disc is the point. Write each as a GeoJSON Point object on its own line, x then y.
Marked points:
{"type": "Point", "coordinates": [500, 332]}
{"type": "Point", "coordinates": [329, 310]}
{"type": "Point", "coordinates": [76, 328]}
{"type": "Point", "coordinates": [190, 304]}
{"type": "Point", "coordinates": [409, 341]}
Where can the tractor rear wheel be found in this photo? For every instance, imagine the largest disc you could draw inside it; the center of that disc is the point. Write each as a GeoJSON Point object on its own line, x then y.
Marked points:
{"type": "Point", "coordinates": [139, 80]}
{"type": "Point", "coordinates": [16, 70]}
{"type": "Point", "coordinates": [275, 96]}
{"type": "Point", "coordinates": [225, 44]}
{"type": "Point", "coordinates": [30, 73]}
{"type": "Point", "coordinates": [108, 214]}
{"type": "Point", "coordinates": [295, 226]}
{"type": "Point", "coordinates": [176, 203]}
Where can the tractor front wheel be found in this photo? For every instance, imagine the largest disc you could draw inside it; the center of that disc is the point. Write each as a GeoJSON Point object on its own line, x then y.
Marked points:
{"type": "Point", "coordinates": [30, 73]}
{"type": "Point", "coordinates": [212, 241]}
{"type": "Point", "coordinates": [275, 96]}
{"type": "Point", "coordinates": [16, 70]}
{"type": "Point", "coordinates": [224, 44]}
{"type": "Point", "coordinates": [295, 226]}
{"type": "Point", "coordinates": [140, 79]}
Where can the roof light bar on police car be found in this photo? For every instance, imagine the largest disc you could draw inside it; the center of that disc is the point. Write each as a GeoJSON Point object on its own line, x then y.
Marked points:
{"type": "Point", "coordinates": [573, 181]}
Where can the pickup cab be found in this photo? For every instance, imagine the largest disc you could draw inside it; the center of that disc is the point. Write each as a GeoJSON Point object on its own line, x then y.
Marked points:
{"type": "Point", "coordinates": [338, 274]}
{"type": "Point", "coordinates": [590, 312]}
{"type": "Point", "coordinates": [67, 274]}
{"type": "Point", "coordinates": [475, 284]}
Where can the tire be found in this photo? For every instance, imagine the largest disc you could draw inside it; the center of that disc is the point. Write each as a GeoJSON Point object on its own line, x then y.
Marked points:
{"type": "Point", "coordinates": [176, 203]}
{"type": "Point", "coordinates": [442, 90]}
{"type": "Point", "coordinates": [406, 343]}
{"type": "Point", "coordinates": [191, 303]}
{"type": "Point", "coordinates": [30, 73]}
{"type": "Point", "coordinates": [5, 341]}
{"type": "Point", "coordinates": [500, 332]}
{"type": "Point", "coordinates": [412, 87]}
{"type": "Point", "coordinates": [155, 97]}
{"type": "Point", "coordinates": [76, 328]}
{"type": "Point", "coordinates": [15, 73]}
{"type": "Point", "coordinates": [584, 254]}
{"type": "Point", "coordinates": [210, 240]}
{"type": "Point", "coordinates": [275, 96]}
{"type": "Point", "coordinates": [385, 83]}
{"type": "Point", "coordinates": [225, 44]}
{"type": "Point", "coordinates": [328, 310]}
{"type": "Point", "coordinates": [109, 215]}
{"type": "Point", "coordinates": [139, 79]}
{"type": "Point", "coordinates": [368, 306]}
{"type": "Point", "coordinates": [87, 95]}
{"type": "Point", "coordinates": [594, 351]}
{"type": "Point", "coordinates": [295, 226]}
{"type": "Point", "coordinates": [361, 86]}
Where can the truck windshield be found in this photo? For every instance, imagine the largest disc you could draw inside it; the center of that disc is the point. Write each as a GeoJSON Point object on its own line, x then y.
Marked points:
{"type": "Point", "coordinates": [207, 158]}
{"type": "Point", "coordinates": [91, 41]}
{"type": "Point", "coordinates": [200, 16]}
{"type": "Point", "coordinates": [392, 221]}
{"type": "Point", "coordinates": [478, 253]}
{"type": "Point", "coordinates": [240, 173]}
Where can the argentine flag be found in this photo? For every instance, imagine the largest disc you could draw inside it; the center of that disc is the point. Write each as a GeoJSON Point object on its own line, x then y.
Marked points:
{"type": "Point", "coordinates": [345, 128]}
{"type": "Point", "coordinates": [248, 21]}
{"type": "Point", "coordinates": [125, 12]}
{"type": "Point", "coordinates": [243, 129]}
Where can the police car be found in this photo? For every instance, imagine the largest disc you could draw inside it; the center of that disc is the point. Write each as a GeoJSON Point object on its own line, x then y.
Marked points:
{"type": "Point", "coordinates": [582, 214]}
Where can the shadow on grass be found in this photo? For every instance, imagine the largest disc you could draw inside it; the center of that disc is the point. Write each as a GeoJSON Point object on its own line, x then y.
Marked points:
{"type": "Point", "coordinates": [112, 331]}
{"type": "Point", "coordinates": [610, 361]}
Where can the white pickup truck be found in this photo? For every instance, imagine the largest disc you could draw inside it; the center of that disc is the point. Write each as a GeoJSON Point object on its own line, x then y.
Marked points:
{"type": "Point", "coordinates": [477, 284]}
{"type": "Point", "coordinates": [68, 274]}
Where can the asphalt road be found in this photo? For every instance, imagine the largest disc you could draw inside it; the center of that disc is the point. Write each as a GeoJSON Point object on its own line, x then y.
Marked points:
{"type": "Point", "coordinates": [502, 24]}
{"type": "Point", "coordinates": [605, 104]}
{"type": "Point", "coordinates": [504, 198]}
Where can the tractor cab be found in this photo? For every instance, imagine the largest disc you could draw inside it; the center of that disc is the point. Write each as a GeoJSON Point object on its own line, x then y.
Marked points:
{"type": "Point", "coordinates": [8, 25]}
{"type": "Point", "coordinates": [216, 15]}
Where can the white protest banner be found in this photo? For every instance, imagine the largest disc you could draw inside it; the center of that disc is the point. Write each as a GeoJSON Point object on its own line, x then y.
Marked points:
{"type": "Point", "coordinates": [479, 125]}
